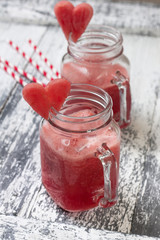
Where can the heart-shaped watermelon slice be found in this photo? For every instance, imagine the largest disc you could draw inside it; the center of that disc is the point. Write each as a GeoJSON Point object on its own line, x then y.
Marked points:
{"type": "Point", "coordinates": [63, 11]}
{"type": "Point", "coordinates": [41, 99]}
{"type": "Point", "coordinates": [73, 19]}
{"type": "Point", "coordinates": [81, 16]}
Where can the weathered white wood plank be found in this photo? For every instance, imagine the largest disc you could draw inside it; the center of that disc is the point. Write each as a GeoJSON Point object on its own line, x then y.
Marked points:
{"type": "Point", "coordinates": [18, 228]}
{"type": "Point", "coordinates": [130, 17]}
{"type": "Point", "coordinates": [19, 151]}
{"type": "Point", "coordinates": [147, 211]}
{"type": "Point", "coordinates": [146, 215]}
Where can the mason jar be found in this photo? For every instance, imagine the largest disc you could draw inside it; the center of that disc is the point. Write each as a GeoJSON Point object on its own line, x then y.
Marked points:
{"type": "Point", "coordinates": [80, 150]}
{"type": "Point", "coordinates": [97, 58]}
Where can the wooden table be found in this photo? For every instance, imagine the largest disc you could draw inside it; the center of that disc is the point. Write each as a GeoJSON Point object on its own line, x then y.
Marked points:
{"type": "Point", "coordinates": [26, 210]}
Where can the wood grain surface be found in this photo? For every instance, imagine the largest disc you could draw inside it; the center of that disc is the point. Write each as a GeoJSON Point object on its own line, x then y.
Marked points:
{"type": "Point", "coordinates": [26, 210]}
{"type": "Point", "coordinates": [20, 228]}
{"type": "Point", "coordinates": [129, 17]}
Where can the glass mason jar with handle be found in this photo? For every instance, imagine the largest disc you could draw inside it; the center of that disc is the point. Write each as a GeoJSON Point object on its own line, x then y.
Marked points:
{"type": "Point", "coordinates": [97, 58]}
{"type": "Point", "coordinates": [80, 149]}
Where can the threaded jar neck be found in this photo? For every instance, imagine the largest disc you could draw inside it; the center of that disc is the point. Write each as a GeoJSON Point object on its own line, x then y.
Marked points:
{"type": "Point", "coordinates": [82, 98]}
{"type": "Point", "coordinates": [97, 43]}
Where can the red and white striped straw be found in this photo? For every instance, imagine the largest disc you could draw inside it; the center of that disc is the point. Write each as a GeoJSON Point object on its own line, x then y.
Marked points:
{"type": "Point", "coordinates": [13, 75]}
{"type": "Point", "coordinates": [31, 61]}
{"type": "Point", "coordinates": [21, 71]}
{"type": "Point", "coordinates": [45, 59]}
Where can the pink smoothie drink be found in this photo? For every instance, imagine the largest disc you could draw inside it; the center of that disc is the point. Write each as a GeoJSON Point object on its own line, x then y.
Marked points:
{"type": "Point", "coordinates": [71, 173]}
{"type": "Point", "coordinates": [103, 76]}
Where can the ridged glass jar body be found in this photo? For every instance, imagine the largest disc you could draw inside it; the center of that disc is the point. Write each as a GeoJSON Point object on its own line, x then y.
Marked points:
{"type": "Point", "coordinates": [80, 149]}
{"type": "Point", "coordinates": [97, 58]}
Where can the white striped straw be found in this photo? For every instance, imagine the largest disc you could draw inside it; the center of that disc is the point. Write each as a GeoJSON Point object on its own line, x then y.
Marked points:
{"type": "Point", "coordinates": [13, 75]}
{"type": "Point", "coordinates": [31, 61]}
{"type": "Point", "coordinates": [45, 59]}
{"type": "Point", "coordinates": [21, 71]}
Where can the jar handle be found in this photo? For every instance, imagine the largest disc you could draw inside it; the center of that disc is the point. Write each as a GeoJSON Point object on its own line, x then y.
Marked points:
{"type": "Point", "coordinates": [119, 80]}
{"type": "Point", "coordinates": [110, 171]}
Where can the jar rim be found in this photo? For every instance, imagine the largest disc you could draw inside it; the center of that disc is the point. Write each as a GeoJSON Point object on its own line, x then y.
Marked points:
{"type": "Point", "coordinates": [104, 99]}
{"type": "Point", "coordinates": [77, 85]}
{"type": "Point", "coordinates": [109, 39]}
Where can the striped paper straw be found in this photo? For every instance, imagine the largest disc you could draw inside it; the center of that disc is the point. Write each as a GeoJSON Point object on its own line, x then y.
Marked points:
{"type": "Point", "coordinates": [13, 75]}
{"type": "Point", "coordinates": [45, 59]}
{"type": "Point", "coordinates": [31, 61]}
{"type": "Point", "coordinates": [21, 71]}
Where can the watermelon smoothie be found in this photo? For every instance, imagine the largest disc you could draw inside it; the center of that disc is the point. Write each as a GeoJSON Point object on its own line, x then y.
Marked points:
{"type": "Point", "coordinates": [97, 58]}
{"type": "Point", "coordinates": [72, 150]}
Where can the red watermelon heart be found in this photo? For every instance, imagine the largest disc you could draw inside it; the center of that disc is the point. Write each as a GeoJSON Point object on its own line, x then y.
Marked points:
{"type": "Point", "coordinates": [81, 17]}
{"type": "Point", "coordinates": [63, 11]}
{"type": "Point", "coordinates": [73, 19]}
{"type": "Point", "coordinates": [41, 99]}
{"type": "Point", "coordinates": [57, 91]}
